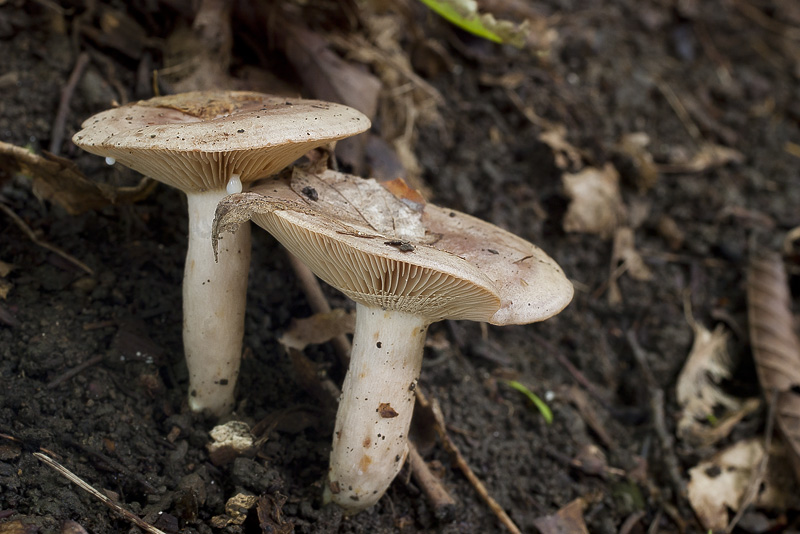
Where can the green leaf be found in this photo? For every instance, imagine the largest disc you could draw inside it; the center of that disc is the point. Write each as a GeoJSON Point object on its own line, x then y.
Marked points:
{"type": "Point", "coordinates": [539, 403]}
{"type": "Point", "coordinates": [464, 14]}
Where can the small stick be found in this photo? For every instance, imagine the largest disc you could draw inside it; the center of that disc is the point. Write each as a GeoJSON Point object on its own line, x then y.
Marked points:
{"type": "Point", "coordinates": [659, 419]}
{"type": "Point", "coordinates": [631, 522]}
{"type": "Point", "coordinates": [105, 500]}
{"type": "Point", "coordinates": [319, 304]}
{"type": "Point", "coordinates": [679, 109]}
{"type": "Point", "coordinates": [441, 429]}
{"type": "Point", "coordinates": [443, 504]}
{"type": "Point", "coordinates": [74, 371]}
{"type": "Point", "coordinates": [32, 236]}
{"type": "Point", "coordinates": [57, 133]}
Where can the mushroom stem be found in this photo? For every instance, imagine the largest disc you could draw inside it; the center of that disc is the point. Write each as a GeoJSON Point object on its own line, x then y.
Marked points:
{"type": "Point", "coordinates": [370, 441]}
{"type": "Point", "coordinates": [214, 296]}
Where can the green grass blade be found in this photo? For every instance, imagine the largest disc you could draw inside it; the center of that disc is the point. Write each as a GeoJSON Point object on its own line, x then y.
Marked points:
{"type": "Point", "coordinates": [539, 403]}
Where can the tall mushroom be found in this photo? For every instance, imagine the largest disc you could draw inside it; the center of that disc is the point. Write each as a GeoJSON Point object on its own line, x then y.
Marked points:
{"type": "Point", "coordinates": [207, 144]}
{"type": "Point", "coordinates": [406, 264]}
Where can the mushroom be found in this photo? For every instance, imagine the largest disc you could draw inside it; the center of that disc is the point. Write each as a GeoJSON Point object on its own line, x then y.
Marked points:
{"type": "Point", "coordinates": [406, 264]}
{"type": "Point", "coordinates": [208, 144]}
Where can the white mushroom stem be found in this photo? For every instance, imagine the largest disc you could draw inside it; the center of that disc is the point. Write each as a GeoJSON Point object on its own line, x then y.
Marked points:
{"type": "Point", "coordinates": [370, 440]}
{"type": "Point", "coordinates": [214, 296]}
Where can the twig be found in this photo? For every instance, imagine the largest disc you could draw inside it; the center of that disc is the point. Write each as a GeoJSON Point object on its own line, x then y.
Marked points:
{"type": "Point", "coordinates": [105, 500]}
{"type": "Point", "coordinates": [754, 484]}
{"type": "Point", "coordinates": [74, 371]}
{"type": "Point", "coordinates": [443, 504]}
{"type": "Point", "coordinates": [57, 133]}
{"type": "Point", "coordinates": [114, 465]}
{"type": "Point", "coordinates": [666, 440]}
{"type": "Point", "coordinates": [679, 109]}
{"type": "Point", "coordinates": [32, 236]}
{"type": "Point", "coordinates": [319, 304]}
{"type": "Point", "coordinates": [450, 447]}
{"type": "Point", "coordinates": [631, 521]}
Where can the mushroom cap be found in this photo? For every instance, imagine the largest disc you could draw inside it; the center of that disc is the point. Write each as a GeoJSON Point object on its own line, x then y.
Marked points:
{"type": "Point", "coordinates": [397, 253]}
{"type": "Point", "coordinates": [196, 141]}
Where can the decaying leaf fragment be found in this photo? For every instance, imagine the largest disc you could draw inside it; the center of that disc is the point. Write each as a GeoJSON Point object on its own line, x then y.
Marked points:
{"type": "Point", "coordinates": [596, 202]}
{"type": "Point", "coordinates": [642, 171]}
{"type": "Point", "coordinates": [776, 348]}
{"type": "Point", "coordinates": [5, 285]}
{"type": "Point", "coordinates": [568, 519]}
{"type": "Point", "coordinates": [59, 180]}
{"type": "Point", "coordinates": [709, 156]}
{"type": "Point", "coordinates": [718, 484]}
{"type": "Point", "coordinates": [698, 390]}
{"type": "Point", "coordinates": [565, 154]}
{"type": "Point", "coordinates": [317, 329]}
{"type": "Point", "coordinates": [625, 259]}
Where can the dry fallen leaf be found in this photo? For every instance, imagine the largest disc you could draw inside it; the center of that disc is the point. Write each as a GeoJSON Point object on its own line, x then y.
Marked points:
{"type": "Point", "coordinates": [5, 285]}
{"type": "Point", "coordinates": [59, 180]}
{"type": "Point", "coordinates": [643, 172]}
{"type": "Point", "coordinates": [566, 156]}
{"type": "Point", "coordinates": [776, 348]}
{"type": "Point", "coordinates": [596, 202]}
{"type": "Point", "coordinates": [568, 520]}
{"type": "Point", "coordinates": [708, 157]}
{"type": "Point", "coordinates": [317, 329]}
{"type": "Point", "coordinates": [270, 514]}
{"type": "Point", "coordinates": [698, 391]}
{"type": "Point", "coordinates": [625, 259]}
{"type": "Point", "coordinates": [719, 483]}
{"type": "Point", "coordinates": [5, 268]}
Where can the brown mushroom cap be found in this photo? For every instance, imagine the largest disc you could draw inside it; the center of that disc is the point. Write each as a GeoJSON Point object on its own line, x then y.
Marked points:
{"type": "Point", "coordinates": [196, 141]}
{"type": "Point", "coordinates": [395, 253]}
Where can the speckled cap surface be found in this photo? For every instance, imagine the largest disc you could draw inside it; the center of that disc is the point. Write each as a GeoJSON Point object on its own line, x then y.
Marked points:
{"type": "Point", "coordinates": [400, 253]}
{"type": "Point", "coordinates": [196, 141]}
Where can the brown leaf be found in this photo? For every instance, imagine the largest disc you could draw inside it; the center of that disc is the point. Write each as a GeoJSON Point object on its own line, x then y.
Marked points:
{"type": "Point", "coordinates": [59, 180]}
{"type": "Point", "coordinates": [410, 197]}
{"type": "Point", "coordinates": [317, 329]}
{"type": "Point", "coordinates": [719, 483]}
{"type": "Point", "coordinates": [568, 520]}
{"type": "Point", "coordinates": [643, 172]}
{"type": "Point", "coordinates": [698, 391]}
{"type": "Point", "coordinates": [625, 259]}
{"type": "Point", "coordinates": [710, 156]}
{"type": "Point", "coordinates": [596, 202]}
{"type": "Point", "coordinates": [566, 156]}
{"type": "Point", "coordinates": [776, 348]}
{"type": "Point", "coordinates": [270, 514]}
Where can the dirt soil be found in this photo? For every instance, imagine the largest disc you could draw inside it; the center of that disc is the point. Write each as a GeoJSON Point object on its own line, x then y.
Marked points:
{"type": "Point", "coordinates": [684, 72]}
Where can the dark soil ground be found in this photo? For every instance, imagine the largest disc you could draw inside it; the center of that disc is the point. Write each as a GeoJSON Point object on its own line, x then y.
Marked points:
{"type": "Point", "coordinates": [683, 72]}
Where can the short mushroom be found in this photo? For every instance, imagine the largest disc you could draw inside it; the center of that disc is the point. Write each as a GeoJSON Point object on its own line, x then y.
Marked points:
{"type": "Point", "coordinates": [407, 265]}
{"type": "Point", "coordinates": [207, 144]}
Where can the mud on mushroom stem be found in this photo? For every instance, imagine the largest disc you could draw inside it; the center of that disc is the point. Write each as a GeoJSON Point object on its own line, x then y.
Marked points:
{"type": "Point", "coordinates": [370, 440]}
